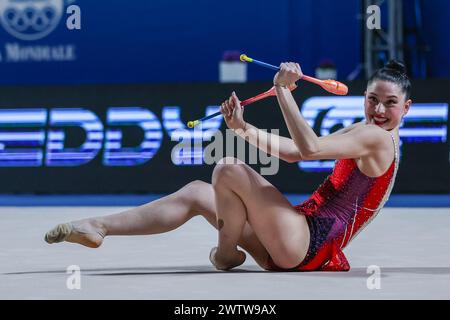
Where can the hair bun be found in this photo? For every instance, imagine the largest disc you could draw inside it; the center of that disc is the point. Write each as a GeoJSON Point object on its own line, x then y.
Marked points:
{"type": "Point", "coordinates": [397, 66]}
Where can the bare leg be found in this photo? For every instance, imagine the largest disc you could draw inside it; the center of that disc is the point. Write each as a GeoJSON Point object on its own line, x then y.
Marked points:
{"type": "Point", "coordinates": [162, 215]}
{"type": "Point", "coordinates": [242, 194]}
{"type": "Point", "coordinates": [159, 216]}
{"type": "Point", "coordinates": [231, 217]}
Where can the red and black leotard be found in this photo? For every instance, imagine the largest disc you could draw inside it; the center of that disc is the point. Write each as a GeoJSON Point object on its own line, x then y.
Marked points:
{"type": "Point", "coordinates": [339, 209]}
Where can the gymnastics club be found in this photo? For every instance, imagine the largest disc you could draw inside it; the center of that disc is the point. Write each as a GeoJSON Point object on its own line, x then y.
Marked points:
{"type": "Point", "coordinates": [332, 86]}
{"type": "Point", "coordinates": [269, 93]}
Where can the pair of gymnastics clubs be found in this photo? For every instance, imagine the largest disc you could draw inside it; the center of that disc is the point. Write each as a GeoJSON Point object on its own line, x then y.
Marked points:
{"type": "Point", "coordinates": [332, 86]}
{"type": "Point", "coordinates": [269, 93]}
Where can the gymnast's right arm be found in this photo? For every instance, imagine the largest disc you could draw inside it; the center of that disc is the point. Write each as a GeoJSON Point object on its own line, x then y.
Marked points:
{"type": "Point", "coordinates": [275, 145]}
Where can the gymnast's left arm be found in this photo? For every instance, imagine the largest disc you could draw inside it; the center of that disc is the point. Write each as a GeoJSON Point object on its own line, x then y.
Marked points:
{"type": "Point", "coordinates": [302, 134]}
{"type": "Point", "coordinates": [360, 141]}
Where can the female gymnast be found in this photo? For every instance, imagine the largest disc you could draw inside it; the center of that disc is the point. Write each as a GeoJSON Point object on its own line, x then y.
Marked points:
{"type": "Point", "coordinates": [251, 213]}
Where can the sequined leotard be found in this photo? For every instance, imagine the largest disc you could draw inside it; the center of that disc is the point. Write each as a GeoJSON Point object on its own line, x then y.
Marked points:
{"type": "Point", "coordinates": [339, 209]}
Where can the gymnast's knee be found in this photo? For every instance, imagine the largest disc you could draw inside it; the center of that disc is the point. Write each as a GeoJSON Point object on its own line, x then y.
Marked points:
{"type": "Point", "coordinates": [226, 170]}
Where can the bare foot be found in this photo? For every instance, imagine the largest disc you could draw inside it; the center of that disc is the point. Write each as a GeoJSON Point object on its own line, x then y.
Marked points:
{"type": "Point", "coordinates": [84, 232]}
{"type": "Point", "coordinates": [226, 262]}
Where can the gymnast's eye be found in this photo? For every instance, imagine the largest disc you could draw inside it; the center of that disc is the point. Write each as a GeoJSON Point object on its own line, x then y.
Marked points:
{"type": "Point", "coordinates": [373, 99]}
{"type": "Point", "coordinates": [391, 103]}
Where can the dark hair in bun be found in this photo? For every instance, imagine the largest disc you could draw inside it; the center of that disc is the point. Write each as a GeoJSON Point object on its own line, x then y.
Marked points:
{"type": "Point", "coordinates": [394, 71]}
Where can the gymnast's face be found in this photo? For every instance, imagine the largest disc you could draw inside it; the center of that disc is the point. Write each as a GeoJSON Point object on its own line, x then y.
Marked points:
{"type": "Point", "coordinates": [385, 104]}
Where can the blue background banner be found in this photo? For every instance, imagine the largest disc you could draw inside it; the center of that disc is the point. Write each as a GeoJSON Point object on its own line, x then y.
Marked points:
{"type": "Point", "coordinates": [183, 41]}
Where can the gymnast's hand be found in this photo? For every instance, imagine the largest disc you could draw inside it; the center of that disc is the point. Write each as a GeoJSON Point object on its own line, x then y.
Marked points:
{"type": "Point", "coordinates": [288, 75]}
{"type": "Point", "coordinates": [233, 112]}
